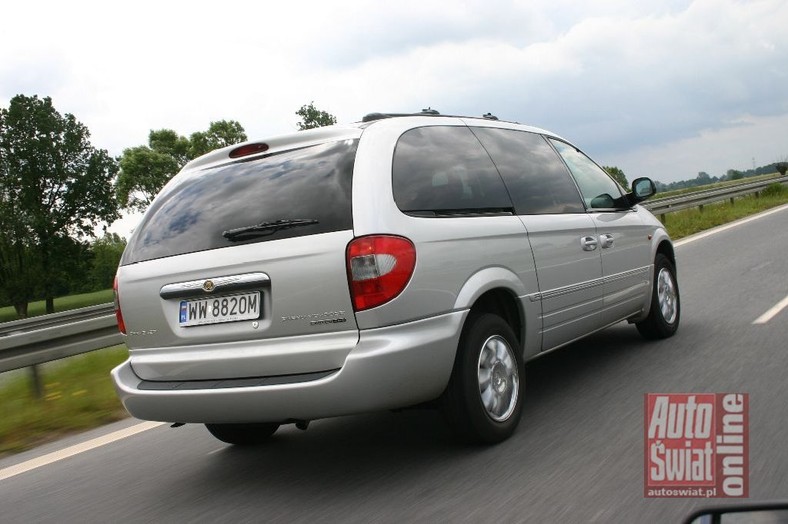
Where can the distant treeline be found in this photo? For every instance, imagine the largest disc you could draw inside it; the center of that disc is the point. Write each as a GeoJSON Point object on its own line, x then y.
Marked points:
{"type": "Point", "coordinates": [704, 178]}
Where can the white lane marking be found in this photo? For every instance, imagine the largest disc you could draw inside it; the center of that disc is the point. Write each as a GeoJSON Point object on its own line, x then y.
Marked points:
{"type": "Point", "coordinates": [773, 312]}
{"type": "Point", "coordinates": [720, 229]}
{"type": "Point", "coordinates": [76, 449]}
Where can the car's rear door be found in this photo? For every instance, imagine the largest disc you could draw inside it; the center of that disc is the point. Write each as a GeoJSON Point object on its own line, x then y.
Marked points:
{"type": "Point", "coordinates": [238, 269]}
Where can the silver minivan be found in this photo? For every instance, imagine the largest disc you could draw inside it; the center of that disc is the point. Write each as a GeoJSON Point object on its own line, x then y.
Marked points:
{"type": "Point", "coordinates": [397, 261]}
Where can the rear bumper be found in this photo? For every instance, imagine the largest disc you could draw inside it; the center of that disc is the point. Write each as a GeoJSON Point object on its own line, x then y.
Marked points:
{"type": "Point", "coordinates": [390, 367]}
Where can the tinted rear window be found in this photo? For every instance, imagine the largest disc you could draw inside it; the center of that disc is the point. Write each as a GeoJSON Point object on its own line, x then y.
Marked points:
{"type": "Point", "coordinates": [439, 169]}
{"type": "Point", "coordinates": [307, 183]}
{"type": "Point", "coordinates": [534, 174]}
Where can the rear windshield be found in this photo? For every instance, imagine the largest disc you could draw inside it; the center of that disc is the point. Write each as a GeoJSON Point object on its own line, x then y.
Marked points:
{"type": "Point", "coordinates": [308, 184]}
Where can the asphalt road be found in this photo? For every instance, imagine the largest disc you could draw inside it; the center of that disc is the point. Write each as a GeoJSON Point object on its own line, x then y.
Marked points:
{"type": "Point", "coordinates": [577, 456]}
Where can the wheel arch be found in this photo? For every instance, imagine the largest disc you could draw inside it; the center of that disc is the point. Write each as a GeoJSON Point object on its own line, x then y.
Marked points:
{"type": "Point", "coordinates": [502, 302]}
{"type": "Point", "coordinates": [663, 246]}
{"type": "Point", "coordinates": [499, 291]}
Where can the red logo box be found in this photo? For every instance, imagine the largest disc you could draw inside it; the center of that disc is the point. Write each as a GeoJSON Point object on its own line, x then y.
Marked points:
{"type": "Point", "coordinates": [696, 445]}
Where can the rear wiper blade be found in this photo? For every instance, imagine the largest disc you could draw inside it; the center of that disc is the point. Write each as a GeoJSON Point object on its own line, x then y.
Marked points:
{"type": "Point", "coordinates": [266, 228]}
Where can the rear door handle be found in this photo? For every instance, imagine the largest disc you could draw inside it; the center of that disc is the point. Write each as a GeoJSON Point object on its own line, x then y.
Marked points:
{"type": "Point", "coordinates": [606, 240]}
{"type": "Point", "coordinates": [588, 243]}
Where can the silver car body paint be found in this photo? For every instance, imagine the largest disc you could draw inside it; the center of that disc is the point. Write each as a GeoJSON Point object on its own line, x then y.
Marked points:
{"type": "Point", "coordinates": [330, 360]}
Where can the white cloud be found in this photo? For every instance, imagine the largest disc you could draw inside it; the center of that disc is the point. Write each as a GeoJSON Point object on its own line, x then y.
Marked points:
{"type": "Point", "coordinates": [624, 80]}
{"type": "Point", "coordinates": [746, 143]}
{"type": "Point", "coordinates": [612, 83]}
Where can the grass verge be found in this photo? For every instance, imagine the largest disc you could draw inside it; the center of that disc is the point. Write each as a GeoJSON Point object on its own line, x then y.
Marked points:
{"type": "Point", "coordinates": [37, 308]}
{"type": "Point", "coordinates": [78, 395]}
{"type": "Point", "coordinates": [684, 223]}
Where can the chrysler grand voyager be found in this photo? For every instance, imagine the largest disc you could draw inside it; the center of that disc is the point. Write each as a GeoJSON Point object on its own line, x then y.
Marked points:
{"type": "Point", "coordinates": [399, 260]}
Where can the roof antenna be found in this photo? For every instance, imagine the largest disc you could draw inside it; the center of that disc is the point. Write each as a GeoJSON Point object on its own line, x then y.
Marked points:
{"type": "Point", "coordinates": [489, 116]}
{"type": "Point", "coordinates": [429, 111]}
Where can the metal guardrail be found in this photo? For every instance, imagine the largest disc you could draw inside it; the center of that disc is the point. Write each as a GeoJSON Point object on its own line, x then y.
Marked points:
{"type": "Point", "coordinates": [37, 340]}
{"type": "Point", "coordinates": [662, 206]}
{"type": "Point", "coordinates": [28, 342]}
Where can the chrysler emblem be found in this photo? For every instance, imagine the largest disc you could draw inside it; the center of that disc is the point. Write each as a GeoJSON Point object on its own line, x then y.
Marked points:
{"type": "Point", "coordinates": [208, 286]}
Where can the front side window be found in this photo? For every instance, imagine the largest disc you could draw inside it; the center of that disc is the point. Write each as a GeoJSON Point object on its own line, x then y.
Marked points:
{"type": "Point", "coordinates": [596, 186]}
{"type": "Point", "coordinates": [444, 170]}
{"type": "Point", "coordinates": [308, 187]}
{"type": "Point", "coordinates": [537, 180]}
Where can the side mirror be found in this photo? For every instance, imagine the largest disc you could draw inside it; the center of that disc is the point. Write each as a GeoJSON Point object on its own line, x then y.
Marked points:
{"type": "Point", "coordinates": [642, 188]}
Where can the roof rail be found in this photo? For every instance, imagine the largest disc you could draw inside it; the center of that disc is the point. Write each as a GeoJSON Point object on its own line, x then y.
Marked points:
{"type": "Point", "coordinates": [379, 116]}
{"type": "Point", "coordinates": [371, 117]}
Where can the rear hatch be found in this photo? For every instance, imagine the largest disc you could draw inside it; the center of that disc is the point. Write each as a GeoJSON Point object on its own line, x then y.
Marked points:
{"type": "Point", "coordinates": [238, 267]}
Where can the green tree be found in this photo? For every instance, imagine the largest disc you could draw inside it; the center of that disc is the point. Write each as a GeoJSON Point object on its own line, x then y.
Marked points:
{"type": "Point", "coordinates": [312, 117]}
{"type": "Point", "coordinates": [145, 169]}
{"type": "Point", "coordinates": [19, 269]}
{"type": "Point", "coordinates": [618, 175]}
{"type": "Point", "coordinates": [54, 185]}
{"type": "Point", "coordinates": [70, 273]}
{"type": "Point", "coordinates": [143, 172]}
{"type": "Point", "coordinates": [106, 256]}
{"type": "Point", "coordinates": [220, 134]}
{"type": "Point", "coordinates": [170, 143]}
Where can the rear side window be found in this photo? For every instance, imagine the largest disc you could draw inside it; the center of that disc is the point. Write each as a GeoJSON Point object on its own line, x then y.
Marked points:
{"type": "Point", "coordinates": [537, 180]}
{"type": "Point", "coordinates": [312, 183]}
{"type": "Point", "coordinates": [444, 170]}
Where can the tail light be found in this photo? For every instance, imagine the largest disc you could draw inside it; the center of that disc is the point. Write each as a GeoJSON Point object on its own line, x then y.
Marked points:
{"type": "Point", "coordinates": [118, 314]}
{"type": "Point", "coordinates": [379, 267]}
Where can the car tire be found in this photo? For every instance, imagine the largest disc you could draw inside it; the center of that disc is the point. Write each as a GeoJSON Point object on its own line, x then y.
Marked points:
{"type": "Point", "coordinates": [483, 401]}
{"type": "Point", "coordinates": [665, 313]}
{"type": "Point", "coordinates": [243, 434]}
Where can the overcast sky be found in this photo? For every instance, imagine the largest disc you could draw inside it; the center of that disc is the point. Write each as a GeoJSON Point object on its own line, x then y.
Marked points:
{"type": "Point", "coordinates": [660, 89]}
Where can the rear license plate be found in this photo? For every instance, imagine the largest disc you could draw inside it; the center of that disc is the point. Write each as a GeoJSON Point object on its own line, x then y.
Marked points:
{"type": "Point", "coordinates": [215, 310]}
